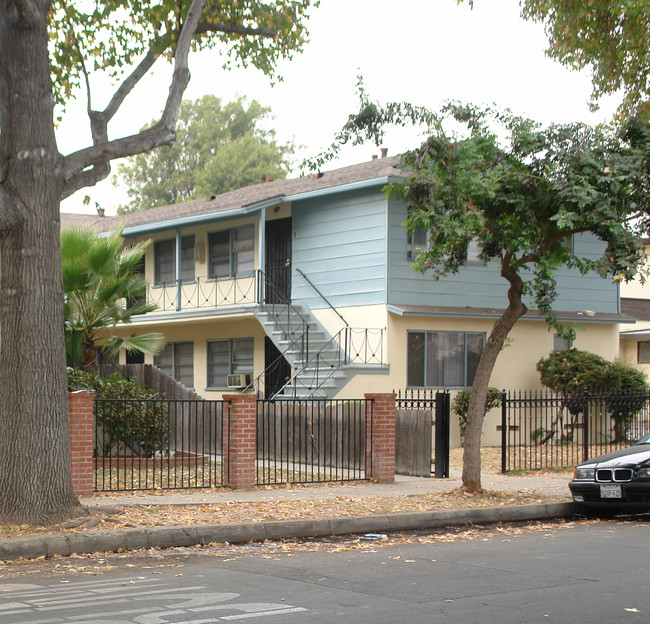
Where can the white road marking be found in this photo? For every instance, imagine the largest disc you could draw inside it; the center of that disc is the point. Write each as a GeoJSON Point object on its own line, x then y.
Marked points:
{"type": "Point", "coordinates": [172, 605]}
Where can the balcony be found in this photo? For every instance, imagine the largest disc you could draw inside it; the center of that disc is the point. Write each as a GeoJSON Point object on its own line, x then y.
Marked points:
{"type": "Point", "coordinates": [207, 293]}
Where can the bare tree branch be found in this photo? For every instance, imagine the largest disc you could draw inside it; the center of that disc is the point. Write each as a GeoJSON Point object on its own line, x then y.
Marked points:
{"type": "Point", "coordinates": [99, 125]}
{"type": "Point", "coordinates": [76, 165]}
{"type": "Point", "coordinates": [127, 85]}
{"type": "Point", "coordinates": [76, 173]}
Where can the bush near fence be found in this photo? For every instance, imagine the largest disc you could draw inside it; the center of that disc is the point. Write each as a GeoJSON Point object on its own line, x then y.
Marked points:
{"type": "Point", "coordinates": [542, 429]}
{"type": "Point", "coordinates": [295, 441]}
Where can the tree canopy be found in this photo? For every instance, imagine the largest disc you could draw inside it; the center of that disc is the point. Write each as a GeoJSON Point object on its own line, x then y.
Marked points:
{"type": "Point", "coordinates": [219, 147]}
{"type": "Point", "coordinates": [50, 51]}
{"type": "Point", "coordinates": [612, 37]}
{"type": "Point", "coordinates": [520, 192]}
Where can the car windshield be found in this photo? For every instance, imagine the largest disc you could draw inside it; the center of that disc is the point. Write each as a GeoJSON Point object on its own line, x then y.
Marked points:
{"type": "Point", "coordinates": [644, 440]}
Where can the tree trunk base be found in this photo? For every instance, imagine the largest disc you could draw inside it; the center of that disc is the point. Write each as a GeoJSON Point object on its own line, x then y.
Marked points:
{"type": "Point", "coordinates": [472, 488]}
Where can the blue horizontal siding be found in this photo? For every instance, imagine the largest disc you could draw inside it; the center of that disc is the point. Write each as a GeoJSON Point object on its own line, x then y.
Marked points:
{"type": "Point", "coordinates": [481, 286]}
{"type": "Point", "coordinates": [339, 243]}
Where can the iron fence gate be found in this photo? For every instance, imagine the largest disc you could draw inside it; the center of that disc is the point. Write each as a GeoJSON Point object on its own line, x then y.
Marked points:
{"type": "Point", "coordinates": [422, 433]}
{"type": "Point", "coordinates": [158, 444]}
{"type": "Point", "coordinates": [541, 429]}
{"type": "Point", "coordinates": [312, 440]}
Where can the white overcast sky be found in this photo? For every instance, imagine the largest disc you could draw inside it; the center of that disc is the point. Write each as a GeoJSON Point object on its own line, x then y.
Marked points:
{"type": "Point", "coordinates": [422, 51]}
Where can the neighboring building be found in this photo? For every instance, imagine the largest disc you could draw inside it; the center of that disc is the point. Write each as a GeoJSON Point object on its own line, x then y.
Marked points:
{"type": "Point", "coordinates": [635, 302]}
{"type": "Point", "coordinates": [223, 268]}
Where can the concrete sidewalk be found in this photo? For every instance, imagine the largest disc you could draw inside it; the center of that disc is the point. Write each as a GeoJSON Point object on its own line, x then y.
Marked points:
{"type": "Point", "coordinates": [176, 536]}
{"type": "Point", "coordinates": [547, 484]}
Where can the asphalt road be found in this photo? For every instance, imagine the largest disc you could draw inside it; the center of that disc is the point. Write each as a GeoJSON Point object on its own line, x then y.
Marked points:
{"type": "Point", "coordinates": [585, 572]}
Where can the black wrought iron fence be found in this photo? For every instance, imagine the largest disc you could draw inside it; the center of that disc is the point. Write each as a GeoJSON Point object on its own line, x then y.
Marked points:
{"type": "Point", "coordinates": [161, 444]}
{"type": "Point", "coordinates": [541, 429]}
{"type": "Point", "coordinates": [312, 440]}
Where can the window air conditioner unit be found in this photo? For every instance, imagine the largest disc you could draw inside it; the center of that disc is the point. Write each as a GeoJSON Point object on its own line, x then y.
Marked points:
{"type": "Point", "coordinates": [239, 381]}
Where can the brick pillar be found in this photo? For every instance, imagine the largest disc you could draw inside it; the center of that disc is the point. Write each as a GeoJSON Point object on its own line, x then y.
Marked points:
{"type": "Point", "coordinates": [82, 433]}
{"type": "Point", "coordinates": [239, 440]}
{"type": "Point", "coordinates": [380, 438]}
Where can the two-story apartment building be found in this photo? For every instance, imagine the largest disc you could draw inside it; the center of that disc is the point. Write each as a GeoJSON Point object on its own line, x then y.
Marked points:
{"type": "Point", "coordinates": [311, 280]}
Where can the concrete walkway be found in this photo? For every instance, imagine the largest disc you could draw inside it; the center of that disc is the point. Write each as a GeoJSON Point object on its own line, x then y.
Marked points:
{"type": "Point", "coordinates": [175, 536]}
{"type": "Point", "coordinates": [547, 484]}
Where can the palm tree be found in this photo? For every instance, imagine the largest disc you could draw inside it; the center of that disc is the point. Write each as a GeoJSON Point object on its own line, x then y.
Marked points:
{"type": "Point", "coordinates": [103, 286]}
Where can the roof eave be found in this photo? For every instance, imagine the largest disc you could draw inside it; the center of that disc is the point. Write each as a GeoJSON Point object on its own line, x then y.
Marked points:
{"type": "Point", "coordinates": [170, 224]}
{"type": "Point", "coordinates": [565, 317]}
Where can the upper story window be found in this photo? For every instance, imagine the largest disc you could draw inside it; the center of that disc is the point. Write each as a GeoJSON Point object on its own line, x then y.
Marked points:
{"type": "Point", "coordinates": [568, 243]}
{"type": "Point", "coordinates": [443, 359]}
{"type": "Point", "coordinates": [418, 241]}
{"type": "Point", "coordinates": [231, 252]}
{"type": "Point", "coordinates": [164, 252]}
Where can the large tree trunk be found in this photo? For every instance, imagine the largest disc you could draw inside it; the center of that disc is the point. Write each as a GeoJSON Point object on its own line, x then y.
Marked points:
{"type": "Point", "coordinates": [35, 480]}
{"type": "Point", "coordinates": [476, 410]}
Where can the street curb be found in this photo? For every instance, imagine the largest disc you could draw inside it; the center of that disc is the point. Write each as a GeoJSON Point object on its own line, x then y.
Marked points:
{"type": "Point", "coordinates": [243, 532]}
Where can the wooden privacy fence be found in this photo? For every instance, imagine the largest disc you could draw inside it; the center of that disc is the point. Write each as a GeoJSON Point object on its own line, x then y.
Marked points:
{"type": "Point", "coordinates": [151, 376]}
{"type": "Point", "coordinates": [422, 419]}
{"type": "Point", "coordinates": [238, 442]}
{"type": "Point", "coordinates": [313, 440]}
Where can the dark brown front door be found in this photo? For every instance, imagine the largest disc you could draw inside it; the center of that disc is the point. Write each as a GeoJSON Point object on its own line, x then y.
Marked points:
{"type": "Point", "coordinates": [278, 261]}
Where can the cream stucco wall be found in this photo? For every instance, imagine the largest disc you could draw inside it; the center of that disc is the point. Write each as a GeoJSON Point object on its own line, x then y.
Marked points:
{"type": "Point", "coordinates": [635, 289]}
{"type": "Point", "coordinates": [514, 370]}
{"type": "Point", "coordinates": [200, 331]}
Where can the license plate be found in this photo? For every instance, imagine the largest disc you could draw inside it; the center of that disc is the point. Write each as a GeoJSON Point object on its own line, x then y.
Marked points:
{"type": "Point", "coordinates": [610, 491]}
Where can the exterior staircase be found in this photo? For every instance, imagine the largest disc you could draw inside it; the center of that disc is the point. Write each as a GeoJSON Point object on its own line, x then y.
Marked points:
{"type": "Point", "coordinates": [315, 356]}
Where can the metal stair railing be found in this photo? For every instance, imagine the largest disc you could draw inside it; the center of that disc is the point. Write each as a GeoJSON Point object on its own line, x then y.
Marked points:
{"type": "Point", "coordinates": [255, 384]}
{"type": "Point", "coordinates": [285, 315]}
{"type": "Point", "coordinates": [323, 297]}
{"type": "Point", "coordinates": [341, 344]}
{"type": "Point", "coordinates": [299, 337]}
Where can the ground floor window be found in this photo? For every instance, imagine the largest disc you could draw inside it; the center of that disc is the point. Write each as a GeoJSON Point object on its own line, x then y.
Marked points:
{"type": "Point", "coordinates": [443, 359]}
{"type": "Point", "coordinates": [228, 357]}
{"type": "Point", "coordinates": [560, 343]}
{"type": "Point", "coordinates": [177, 360]}
{"type": "Point", "coordinates": [643, 354]}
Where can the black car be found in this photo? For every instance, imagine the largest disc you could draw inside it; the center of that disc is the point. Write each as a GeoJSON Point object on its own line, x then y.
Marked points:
{"type": "Point", "coordinates": [617, 481]}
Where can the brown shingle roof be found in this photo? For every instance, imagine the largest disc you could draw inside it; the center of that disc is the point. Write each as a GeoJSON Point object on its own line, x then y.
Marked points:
{"type": "Point", "coordinates": [69, 219]}
{"type": "Point", "coordinates": [379, 168]}
{"type": "Point", "coordinates": [638, 308]}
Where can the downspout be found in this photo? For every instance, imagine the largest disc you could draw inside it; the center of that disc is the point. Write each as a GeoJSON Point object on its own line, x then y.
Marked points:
{"type": "Point", "coordinates": [177, 268]}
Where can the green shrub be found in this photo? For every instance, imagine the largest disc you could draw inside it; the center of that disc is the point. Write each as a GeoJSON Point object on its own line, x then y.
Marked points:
{"type": "Point", "coordinates": [633, 387]}
{"type": "Point", "coordinates": [572, 370]}
{"type": "Point", "coordinates": [461, 405]}
{"type": "Point", "coordinates": [140, 422]}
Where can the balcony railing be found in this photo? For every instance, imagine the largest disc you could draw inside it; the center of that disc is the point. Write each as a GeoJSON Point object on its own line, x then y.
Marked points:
{"type": "Point", "coordinates": [205, 293]}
